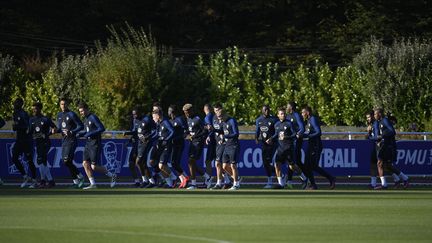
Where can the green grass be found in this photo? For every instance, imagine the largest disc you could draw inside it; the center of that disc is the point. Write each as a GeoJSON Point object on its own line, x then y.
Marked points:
{"type": "Point", "coordinates": [249, 215]}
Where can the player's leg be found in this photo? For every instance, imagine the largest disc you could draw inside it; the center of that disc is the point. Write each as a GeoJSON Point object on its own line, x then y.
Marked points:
{"type": "Point", "coordinates": [267, 157]}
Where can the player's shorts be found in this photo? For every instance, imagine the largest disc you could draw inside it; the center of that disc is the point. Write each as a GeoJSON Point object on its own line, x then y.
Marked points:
{"type": "Point", "coordinates": [211, 151]}
{"type": "Point", "coordinates": [385, 152]}
{"type": "Point", "coordinates": [68, 148]}
{"type": "Point", "coordinates": [285, 154]}
{"type": "Point", "coordinates": [196, 148]}
{"type": "Point", "coordinates": [23, 147]}
{"type": "Point", "coordinates": [230, 153]}
{"type": "Point", "coordinates": [162, 152]}
{"type": "Point", "coordinates": [92, 151]}
{"type": "Point", "coordinates": [267, 152]}
{"type": "Point", "coordinates": [220, 148]}
{"type": "Point", "coordinates": [143, 149]}
{"type": "Point", "coordinates": [42, 148]}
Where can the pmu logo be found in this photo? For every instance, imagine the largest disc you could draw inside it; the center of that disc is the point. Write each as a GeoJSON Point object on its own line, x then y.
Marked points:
{"type": "Point", "coordinates": [12, 170]}
{"type": "Point", "coordinates": [113, 154]}
{"type": "Point", "coordinates": [414, 156]}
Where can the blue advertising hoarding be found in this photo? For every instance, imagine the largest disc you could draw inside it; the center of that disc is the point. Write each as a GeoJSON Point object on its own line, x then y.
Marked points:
{"type": "Point", "coordinates": [339, 157]}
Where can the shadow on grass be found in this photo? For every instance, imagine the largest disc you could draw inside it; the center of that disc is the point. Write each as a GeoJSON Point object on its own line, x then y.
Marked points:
{"type": "Point", "coordinates": [13, 191]}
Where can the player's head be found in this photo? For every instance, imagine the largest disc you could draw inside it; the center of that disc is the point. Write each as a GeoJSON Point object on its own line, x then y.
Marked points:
{"type": "Point", "coordinates": [281, 114]}
{"type": "Point", "coordinates": [18, 103]}
{"type": "Point", "coordinates": [135, 113]}
{"type": "Point", "coordinates": [83, 109]}
{"type": "Point", "coordinates": [157, 115]}
{"type": "Point", "coordinates": [378, 113]}
{"type": "Point", "coordinates": [188, 110]}
{"type": "Point", "coordinates": [265, 111]}
{"type": "Point", "coordinates": [291, 107]}
{"type": "Point", "coordinates": [37, 108]}
{"type": "Point", "coordinates": [156, 106]}
{"type": "Point", "coordinates": [369, 116]}
{"type": "Point", "coordinates": [207, 108]}
{"type": "Point", "coordinates": [218, 109]}
{"type": "Point", "coordinates": [64, 104]}
{"type": "Point", "coordinates": [173, 111]}
{"type": "Point", "coordinates": [306, 111]}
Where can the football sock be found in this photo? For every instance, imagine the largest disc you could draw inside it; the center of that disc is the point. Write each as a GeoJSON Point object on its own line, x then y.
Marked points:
{"type": "Point", "coordinates": [403, 176]}
{"type": "Point", "coordinates": [193, 182]}
{"type": "Point", "coordinates": [373, 181]}
{"type": "Point", "coordinates": [383, 181]}
{"type": "Point", "coordinates": [92, 181]}
{"type": "Point", "coordinates": [269, 180]}
{"type": "Point", "coordinates": [395, 177]}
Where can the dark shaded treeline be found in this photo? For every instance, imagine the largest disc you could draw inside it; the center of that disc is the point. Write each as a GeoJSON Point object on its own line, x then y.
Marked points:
{"type": "Point", "coordinates": [288, 31]}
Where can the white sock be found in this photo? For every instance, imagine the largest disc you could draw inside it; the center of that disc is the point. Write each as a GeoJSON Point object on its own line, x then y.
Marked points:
{"type": "Point", "coordinates": [206, 176]}
{"type": "Point", "coordinates": [109, 174]}
{"type": "Point", "coordinates": [403, 176]}
{"type": "Point", "coordinates": [193, 182]}
{"type": "Point", "coordinates": [303, 177]}
{"type": "Point", "coordinates": [281, 181]}
{"type": "Point", "coordinates": [383, 181]}
{"type": "Point", "coordinates": [75, 181]}
{"type": "Point", "coordinates": [219, 182]}
{"type": "Point", "coordinates": [237, 183]}
{"type": "Point", "coordinates": [395, 177]}
{"type": "Point", "coordinates": [373, 181]}
{"type": "Point", "coordinates": [181, 179]}
{"type": "Point", "coordinates": [145, 179]}
{"type": "Point", "coordinates": [48, 173]}
{"type": "Point", "coordinates": [269, 180]}
{"type": "Point", "coordinates": [152, 181]}
{"type": "Point", "coordinates": [41, 172]}
{"type": "Point", "coordinates": [80, 176]}
{"type": "Point", "coordinates": [92, 181]}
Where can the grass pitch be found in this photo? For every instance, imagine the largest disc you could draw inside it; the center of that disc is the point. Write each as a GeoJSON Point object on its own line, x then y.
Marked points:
{"type": "Point", "coordinates": [248, 215]}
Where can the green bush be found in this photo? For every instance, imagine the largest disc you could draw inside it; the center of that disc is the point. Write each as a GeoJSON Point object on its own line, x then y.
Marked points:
{"type": "Point", "coordinates": [398, 78]}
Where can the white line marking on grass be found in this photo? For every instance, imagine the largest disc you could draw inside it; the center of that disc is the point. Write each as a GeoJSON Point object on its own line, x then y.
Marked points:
{"type": "Point", "coordinates": [168, 235]}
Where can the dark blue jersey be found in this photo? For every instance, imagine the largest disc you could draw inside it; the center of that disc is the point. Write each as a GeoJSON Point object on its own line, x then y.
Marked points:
{"type": "Point", "coordinates": [2, 122]}
{"type": "Point", "coordinates": [179, 128]}
{"type": "Point", "coordinates": [196, 128]}
{"type": "Point", "coordinates": [134, 128]}
{"type": "Point", "coordinates": [231, 132]}
{"type": "Point", "coordinates": [373, 134]}
{"type": "Point", "coordinates": [165, 130]}
{"type": "Point", "coordinates": [218, 132]}
{"type": "Point", "coordinates": [21, 124]}
{"type": "Point", "coordinates": [93, 127]}
{"type": "Point", "coordinates": [386, 130]}
{"type": "Point", "coordinates": [297, 121]}
{"type": "Point", "coordinates": [313, 129]}
{"type": "Point", "coordinates": [208, 126]}
{"type": "Point", "coordinates": [68, 121]}
{"type": "Point", "coordinates": [265, 127]}
{"type": "Point", "coordinates": [284, 132]}
{"type": "Point", "coordinates": [40, 127]}
{"type": "Point", "coordinates": [147, 129]}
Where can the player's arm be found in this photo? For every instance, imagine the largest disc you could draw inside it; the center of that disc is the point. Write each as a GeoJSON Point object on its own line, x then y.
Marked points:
{"type": "Point", "coordinates": [300, 124]}
{"type": "Point", "coordinates": [390, 131]}
{"type": "Point", "coordinates": [99, 127]}
{"type": "Point", "coordinates": [235, 132]}
{"type": "Point", "coordinates": [316, 128]}
{"type": "Point", "coordinates": [78, 123]}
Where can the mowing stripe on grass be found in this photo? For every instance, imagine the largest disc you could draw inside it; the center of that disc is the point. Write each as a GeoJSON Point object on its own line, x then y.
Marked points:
{"type": "Point", "coordinates": [168, 235]}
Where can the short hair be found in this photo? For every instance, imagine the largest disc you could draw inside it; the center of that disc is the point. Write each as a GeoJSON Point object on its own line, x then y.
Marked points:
{"type": "Point", "coordinates": [187, 107]}
{"type": "Point", "coordinates": [157, 112]}
{"type": "Point", "coordinates": [293, 105]}
{"type": "Point", "coordinates": [174, 109]}
{"type": "Point", "coordinates": [218, 106]}
{"type": "Point", "coordinates": [281, 109]}
{"type": "Point", "coordinates": [208, 106]}
{"type": "Point", "coordinates": [307, 108]}
{"type": "Point", "coordinates": [38, 105]}
{"type": "Point", "coordinates": [82, 105]}
{"type": "Point", "coordinates": [379, 110]}
{"type": "Point", "coordinates": [64, 99]}
{"type": "Point", "coordinates": [370, 113]}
